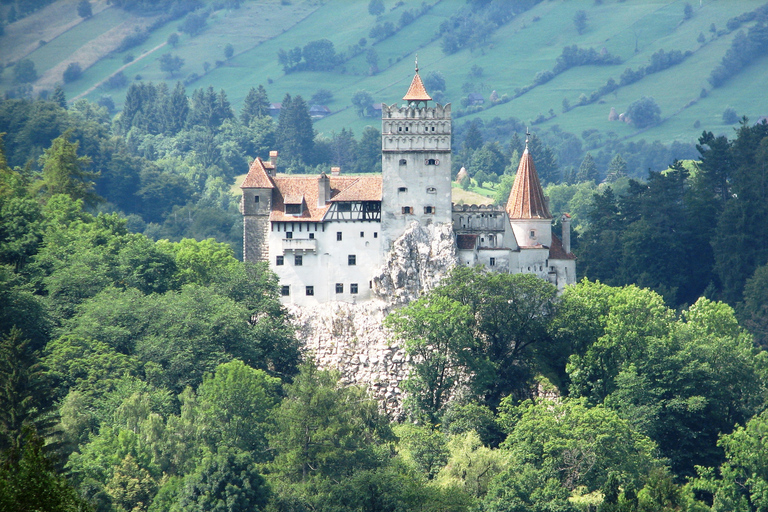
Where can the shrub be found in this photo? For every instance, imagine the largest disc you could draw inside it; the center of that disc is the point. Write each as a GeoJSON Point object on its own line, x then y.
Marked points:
{"type": "Point", "coordinates": [72, 73]}
{"type": "Point", "coordinates": [730, 116]}
{"type": "Point", "coordinates": [117, 81]}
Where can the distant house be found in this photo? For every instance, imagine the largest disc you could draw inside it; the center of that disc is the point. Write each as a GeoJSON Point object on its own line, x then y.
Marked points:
{"type": "Point", "coordinates": [474, 98]}
{"type": "Point", "coordinates": [274, 109]}
{"type": "Point", "coordinates": [319, 111]}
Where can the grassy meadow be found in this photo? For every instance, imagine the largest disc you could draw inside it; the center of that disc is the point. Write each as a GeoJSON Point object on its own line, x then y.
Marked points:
{"type": "Point", "coordinates": [511, 58]}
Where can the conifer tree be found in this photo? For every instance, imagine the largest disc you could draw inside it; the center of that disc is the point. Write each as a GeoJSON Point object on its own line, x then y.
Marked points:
{"type": "Point", "coordinates": [256, 105]}
{"type": "Point", "coordinates": [65, 173]}
{"type": "Point", "coordinates": [295, 135]}
{"type": "Point", "coordinates": [616, 169]}
{"type": "Point", "coordinates": [58, 96]}
{"type": "Point", "coordinates": [176, 111]}
{"type": "Point", "coordinates": [587, 170]}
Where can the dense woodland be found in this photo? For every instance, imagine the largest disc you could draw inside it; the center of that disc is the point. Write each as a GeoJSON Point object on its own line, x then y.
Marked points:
{"type": "Point", "coordinates": [145, 368]}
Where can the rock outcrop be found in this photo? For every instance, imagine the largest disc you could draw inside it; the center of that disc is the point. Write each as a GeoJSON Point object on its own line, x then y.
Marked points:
{"type": "Point", "coordinates": [416, 263]}
{"type": "Point", "coordinates": [351, 338]}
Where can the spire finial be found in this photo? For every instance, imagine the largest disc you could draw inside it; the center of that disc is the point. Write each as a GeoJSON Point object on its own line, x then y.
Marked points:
{"type": "Point", "coordinates": [417, 63]}
{"type": "Point", "coordinates": [527, 135]}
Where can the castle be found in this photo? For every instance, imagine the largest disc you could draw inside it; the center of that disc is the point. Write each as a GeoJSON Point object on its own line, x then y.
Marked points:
{"type": "Point", "coordinates": [326, 237]}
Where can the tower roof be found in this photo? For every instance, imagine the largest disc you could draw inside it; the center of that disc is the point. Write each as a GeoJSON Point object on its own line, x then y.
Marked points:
{"type": "Point", "coordinates": [527, 201]}
{"type": "Point", "coordinates": [257, 176]}
{"type": "Point", "coordinates": [417, 92]}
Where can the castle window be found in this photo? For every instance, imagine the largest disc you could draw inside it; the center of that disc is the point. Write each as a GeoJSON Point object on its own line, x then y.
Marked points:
{"type": "Point", "coordinates": [407, 210]}
{"type": "Point", "coordinates": [279, 260]}
{"type": "Point", "coordinates": [403, 161]}
{"type": "Point", "coordinates": [344, 207]}
{"type": "Point", "coordinates": [493, 262]}
{"type": "Point", "coordinates": [311, 236]}
{"type": "Point", "coordinates": [362, 234]}
{"type": "Point", "coordinates": [406, 128]}
{"type": "Point", "coordinates": [353, 288]}
{"type": "Point", "coordinates": [351, 259]}
{"type": "Point", "coordinates": [285, 290]}
{"type": "Point", "coordinates": [338, 236]}
{"type": "Point", "coordinates": [533, 233]}
{"type": "Point", "coordinates": [375, 234]}
{"type": "Point", "coordinates": [399, 128]}
{"type": "Point", "coordinates": [298, 260]}
{"type": "Point", "coordinates": [310, 290]}
{"type": "Point", "coordinates": [293, 209]}
{"type": "Point", "coordinates": [433, 128]}
{"type": "Point", "coordinates": [432, 161]}
{"type": "Point", "coordinates": [402, 189]}
{"type": "Point", "coordinates": [256, 199]}
{"type": "Point", "coordinates": [429, 209]}
{"type": "Point", "coordinates": [289, 234]}
{"type": "Point", "coordinates": [339, 287]}
{"type": "Point", "coordinates": [431, 190]}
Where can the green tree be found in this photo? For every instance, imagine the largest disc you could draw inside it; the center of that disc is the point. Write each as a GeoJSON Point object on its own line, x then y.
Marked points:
{"type": "Point", "coordinates": [31, 482]}
{"type": "Point", "coordinates": [72, 73]}
{"type": "Point", "coordinates": [587, 170]}
{"type": "Point", "coordinates": [235, 403]}
{"type": "Point", "coordinates": [24, 72]}
{"type": "Point", "coordinates": [473, 139]}
{"type": "Point", "coordinates": [295, 135]}
{"type": "Point", "coordinates": [512, 314]}
{"type": "Point", "coordinates": [644, 112]}
{"type": "Point", "coordinates": [376, 7]}
{"type": "Point", "coordinates": [363, 103]}
{"type": "Point", "coordinates": [323, 431]}
{"type": "Point", "coordinates": [228, 480]}
{"type": "Point", "coordinates": [617, 168]}
{"type": "Point", "coordinates": [580, 21]}
{"type": "Point", "coordinates": [84, 9]}
{"type": "Point", "coordinates": [23, 388]}
{"type": "Point", "coordinates": [65, 173]}
{"type": "Point", "coordinates": [171, 64]}
{"type": "Point", "coordinates": [369, 150]}
{"type": "Point", "coordinates": [437, 332]}
{"type": "Point", "coordinates": [319, 55]}
{"type": "Point", "coordinates": [256, 105]}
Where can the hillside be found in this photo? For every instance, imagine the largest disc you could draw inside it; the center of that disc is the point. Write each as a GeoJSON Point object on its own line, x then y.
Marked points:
{"type": "Point", "coordinates": [509, 57]}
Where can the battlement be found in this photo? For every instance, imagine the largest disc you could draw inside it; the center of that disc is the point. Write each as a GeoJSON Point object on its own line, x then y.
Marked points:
{"type": "Point", "coordinates": [395, 111]}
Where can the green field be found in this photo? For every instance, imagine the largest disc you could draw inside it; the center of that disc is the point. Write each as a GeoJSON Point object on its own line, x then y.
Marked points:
{"type": "Point", "coordinates": [513, 55]}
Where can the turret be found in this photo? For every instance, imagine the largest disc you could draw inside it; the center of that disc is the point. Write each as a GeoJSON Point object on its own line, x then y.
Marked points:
{"type": "Point", "coordinates": [527, 206]}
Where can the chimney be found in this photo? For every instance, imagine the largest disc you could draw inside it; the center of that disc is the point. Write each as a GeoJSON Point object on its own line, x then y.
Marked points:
{"type": "Point", "coordinates": [566, 225]}
{"type": "Point", "coordinates": [273, 163]}
{"type": "Point", "coordinates": [323, 190]}
{"type": "Point", "coordinates": [335, 171]}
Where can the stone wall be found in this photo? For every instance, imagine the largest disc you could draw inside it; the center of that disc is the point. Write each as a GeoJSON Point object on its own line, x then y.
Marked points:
{"type": "Point", "coordinates": [351, 338]}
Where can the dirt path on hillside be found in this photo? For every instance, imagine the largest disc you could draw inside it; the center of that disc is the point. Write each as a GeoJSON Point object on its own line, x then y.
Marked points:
{"type": "Point", "coordinates": [121, 68]}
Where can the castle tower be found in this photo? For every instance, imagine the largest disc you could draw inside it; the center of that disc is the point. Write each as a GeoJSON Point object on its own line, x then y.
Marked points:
{"type": "Point", "coordinates": [415, 163]}
{"type": "Point", "coordinates": [527, 207]}
{"type": "Point", "coordinates": [256, 206]}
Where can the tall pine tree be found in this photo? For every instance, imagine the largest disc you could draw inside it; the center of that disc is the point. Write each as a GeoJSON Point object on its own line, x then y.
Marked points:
{"type": "Point", "coordinates": [256, 105]}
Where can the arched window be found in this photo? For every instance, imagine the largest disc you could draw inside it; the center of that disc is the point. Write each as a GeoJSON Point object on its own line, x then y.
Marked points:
{"type": "Point", "coordinates": [403, 161]}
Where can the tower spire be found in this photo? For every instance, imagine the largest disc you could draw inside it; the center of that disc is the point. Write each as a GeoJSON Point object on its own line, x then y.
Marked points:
{"type": "Point", "coordinates": [416, 92]}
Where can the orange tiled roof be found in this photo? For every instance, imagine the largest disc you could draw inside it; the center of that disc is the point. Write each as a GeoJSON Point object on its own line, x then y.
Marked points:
{"type": "Point", "coordinates": [365, 188]}
{"type": "Point", "coordinates": [526, 201]}
{"type": "Point", "coordinates": [556, 251]}
{"type": "Point", "coordinates": [257, 176]}
{"type": "Point", "coordinates": [287, 188]}
{"type": "Point", "coordinates": [417, 92]}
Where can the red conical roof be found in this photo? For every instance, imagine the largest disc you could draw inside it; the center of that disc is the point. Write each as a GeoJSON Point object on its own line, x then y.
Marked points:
{"type": "Point", "coordinates": [417, 92]}
{"type": "Point", "coordinates": [526, 201]}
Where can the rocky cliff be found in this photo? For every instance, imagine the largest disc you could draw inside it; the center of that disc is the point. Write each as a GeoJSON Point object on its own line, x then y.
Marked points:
{"type": "Point", "coordinates": [350, 337]}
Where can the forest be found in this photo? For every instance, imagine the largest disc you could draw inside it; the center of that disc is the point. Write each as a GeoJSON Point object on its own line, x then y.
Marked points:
{"type": "Point", "coordinates": [145, 368]}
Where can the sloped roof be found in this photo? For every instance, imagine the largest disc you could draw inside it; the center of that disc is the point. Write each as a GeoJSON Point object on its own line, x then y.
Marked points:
{"type": "Point", "coordinates": [417, 92]}
{"type": "Point", "coordinates": [527, 201]}
{"type": "Point", "coordinates": [364, 188]}
{"type": "Point", "coordinates": [288, 188]}
{"type": "Point", "coordinates": [257, 176]}
{"type": "Point", "coordinates": [466, 241]}
{"type": "Point", "coordinates": [556, 251]}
